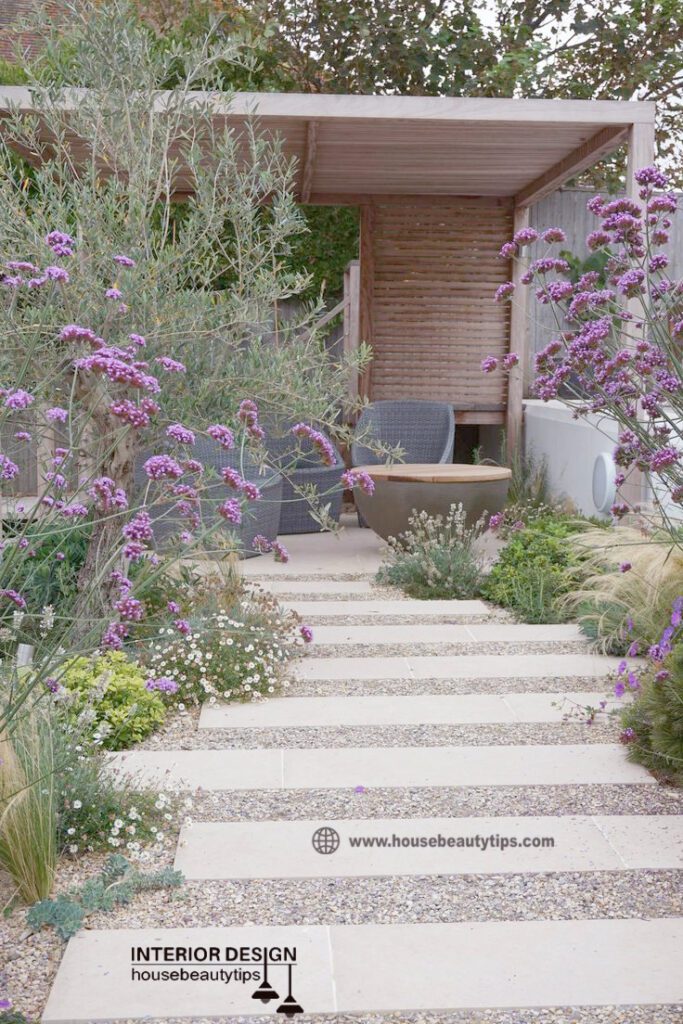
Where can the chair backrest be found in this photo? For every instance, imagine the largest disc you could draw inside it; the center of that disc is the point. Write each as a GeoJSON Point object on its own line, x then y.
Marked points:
{"type": "Point", "coordinates": [424, 430]}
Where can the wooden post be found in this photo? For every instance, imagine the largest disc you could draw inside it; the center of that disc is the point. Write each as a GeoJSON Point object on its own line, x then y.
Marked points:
{"type": "Point", "coordinates": [352, 320]}
{"type": "Point", "coordinates": [519, 342]}
{"type": "Point", "coordinates": [641, 153]}
{"type": "Point", "coordinates": [367, 284]}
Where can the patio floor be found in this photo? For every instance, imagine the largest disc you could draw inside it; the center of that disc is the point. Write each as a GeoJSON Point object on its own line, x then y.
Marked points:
{"type": "Point", "coordinates": [403, 754]}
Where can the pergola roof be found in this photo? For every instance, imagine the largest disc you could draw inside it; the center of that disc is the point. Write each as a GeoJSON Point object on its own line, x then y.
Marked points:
{"type": "Point", "coordinates": [394, 145]}
{"type": "Point", "coordinates": [360, 146]}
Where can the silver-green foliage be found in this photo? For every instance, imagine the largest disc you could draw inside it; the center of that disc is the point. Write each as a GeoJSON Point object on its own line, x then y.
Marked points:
{"type": "Point", "coordinates": [117, 884]}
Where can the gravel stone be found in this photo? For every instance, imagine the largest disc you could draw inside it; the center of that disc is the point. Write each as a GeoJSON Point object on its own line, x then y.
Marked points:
{"type": "Point", "coordinates": [416, 899]}
{"type": "Point", "coordinates": [532, 1015]}
{"type": "Point", "coordinates": [389, 736]}
{"type": "Point", "coordinates": [406, 686]}
{"type": "Point", "coordinates": [435, 802]}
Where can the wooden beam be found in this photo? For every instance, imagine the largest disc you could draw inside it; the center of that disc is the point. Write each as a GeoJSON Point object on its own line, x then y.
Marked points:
{"type": "Point", "coordinates": [641, 153]}
{"type": "Point", "coordinates": [519, 342]}
{"type": "Point", "coordinates": [339, 107]}
{"type": "Point", "coordinates": [583, 157]}
{"type": "Point", "coordinates": [367, 286]}
{"type": "Point", "coordinates": [309, 160]}
{"type": "Point", "coordinates": [479, 418]}
{"type": "Point", "coordinates": [405, 198]}
{"type": "Point", "coordinates": [352, 321]}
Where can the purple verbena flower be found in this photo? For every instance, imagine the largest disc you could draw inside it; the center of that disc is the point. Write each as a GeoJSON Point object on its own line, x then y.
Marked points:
{"type": "Point", "coordinates": [181, 434]}
{"type": "Point", "coordinates": [161, 467]}
{"type": "Point", "coordinates": [18, 399]}
{"type": "Point", "coordinates": [171, 365]}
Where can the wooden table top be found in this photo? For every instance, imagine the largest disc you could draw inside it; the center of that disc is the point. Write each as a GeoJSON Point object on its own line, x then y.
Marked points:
{"type": "Point", "coordinates": [437, 473]}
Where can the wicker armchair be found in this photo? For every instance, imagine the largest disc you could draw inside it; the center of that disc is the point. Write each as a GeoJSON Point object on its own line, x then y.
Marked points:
{"type": "Point", "coordinates": [424, 430]}
{"type": "Point", "coordinates": [300, 465]}
{"type": "Point", "coordinates": [259, 517]}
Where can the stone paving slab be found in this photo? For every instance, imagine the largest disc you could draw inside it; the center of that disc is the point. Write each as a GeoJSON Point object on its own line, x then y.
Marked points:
{"type": "Point", "coordinates": [350, 588]}
{"type": "Point", "coordinates": [351, 551]}
{"type": "Point", "coordinates": [465, 666]}
{"type": "Point", "coordinates": [375, 635]}
{"type": "Point", "coordinates": [341, 767]}
{"type": "Point", "coordinates": [286, 849]}
{"type": "Point", "coordinates": [424, 709]}
{"type": "Point", "coordinates": [506, 964]}
{"type": "Point", "coordinates": [376, 607]}
{"type": "Point", "coordinates": [363, 968]}
{"type": "Point", "coordinates": [94, 982]}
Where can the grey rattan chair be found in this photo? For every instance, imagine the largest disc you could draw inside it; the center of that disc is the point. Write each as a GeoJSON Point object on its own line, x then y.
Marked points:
{"type": "Point", "coordinates": [424, 430]}
{"type": "Point", "coordinates": [259, 517]}
{"type": "Point", "coordinates": [300, 465]}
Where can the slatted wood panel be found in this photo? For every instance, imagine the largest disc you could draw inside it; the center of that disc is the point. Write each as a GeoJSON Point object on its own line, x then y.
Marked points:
{"type": "Point", "coordinates": [434, 318]}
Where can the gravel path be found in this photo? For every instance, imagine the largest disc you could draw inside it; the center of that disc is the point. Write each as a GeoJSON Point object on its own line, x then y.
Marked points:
{"type": "Point", "coordinates": [389, 736]}
{"type": "Point", "coordinates": [30, 961]}
{"type": "Point", "coordinates": [465, 801]}
{"type": "Point", "coordinates": [406, 687]}
{"type": "Point", "coordinates": [412, 900]}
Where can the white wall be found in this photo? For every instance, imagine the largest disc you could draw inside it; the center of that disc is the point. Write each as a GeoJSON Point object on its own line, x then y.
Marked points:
{"type": "Point", "coordinates": [569, 447]}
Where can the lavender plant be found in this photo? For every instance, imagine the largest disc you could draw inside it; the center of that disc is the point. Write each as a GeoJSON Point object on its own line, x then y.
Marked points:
{"type": "Point", "coordinates": [436, 557]}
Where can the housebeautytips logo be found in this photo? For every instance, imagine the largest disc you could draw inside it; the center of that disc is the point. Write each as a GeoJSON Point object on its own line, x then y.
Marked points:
{"type": "Point", "coordinates": [269, 968]}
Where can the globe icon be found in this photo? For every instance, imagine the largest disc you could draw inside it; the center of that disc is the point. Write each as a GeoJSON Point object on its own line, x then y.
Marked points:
{"type": "Point", "coordinates": [326, 840]}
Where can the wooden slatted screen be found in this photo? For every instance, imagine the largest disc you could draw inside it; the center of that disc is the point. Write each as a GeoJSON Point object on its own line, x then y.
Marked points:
{"type": "Point", "coordinates": [435, 271]}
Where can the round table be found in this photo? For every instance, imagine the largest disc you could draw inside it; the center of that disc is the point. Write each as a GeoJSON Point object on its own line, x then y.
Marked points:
{"type": "Point", "coordinates": [429, 487]}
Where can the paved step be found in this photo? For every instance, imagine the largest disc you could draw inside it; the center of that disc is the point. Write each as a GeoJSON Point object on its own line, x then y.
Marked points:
{"type": "Point", "coordinates": [366, 968]}
{"type": "Point", "coordinates": [341, 767]}
{"type": "Point", "coordinates": [285, 849]}
{"type": "Point", "coordinates": [464, 666]}
{"type": "Point", "coordinates": [375, 635]}
{"type": "Point", "coordinates": [385, 607]}
{"type": "Point", "coordinates": [351, 552]}
{"type": "Point", "coordinates": [308, 589]}
{"type": "Point", "coordinates": [425, 709]}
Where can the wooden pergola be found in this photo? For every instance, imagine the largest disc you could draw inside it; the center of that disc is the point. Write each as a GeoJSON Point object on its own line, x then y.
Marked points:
{"type": "Point", "coordinates": [441, 183]}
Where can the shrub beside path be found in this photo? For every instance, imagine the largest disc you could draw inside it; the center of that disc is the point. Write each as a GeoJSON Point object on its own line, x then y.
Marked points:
{"type": "Point", "coordinates": [409, 731]}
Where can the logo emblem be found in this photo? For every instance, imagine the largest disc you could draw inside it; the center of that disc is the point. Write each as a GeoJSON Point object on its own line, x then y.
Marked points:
{"type": "Point", "coordinates": [326, 840]}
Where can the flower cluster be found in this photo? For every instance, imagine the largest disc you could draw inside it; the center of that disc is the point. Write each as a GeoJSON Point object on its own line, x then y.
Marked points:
{"type": "Point", "coordinates": [358, 478]}
{"type": "Point", "coordinates": [621, 352]}
{"type": "Point", "coordinates": [320, 443]}
{"type": "Point", "coordinates": [226, 658]}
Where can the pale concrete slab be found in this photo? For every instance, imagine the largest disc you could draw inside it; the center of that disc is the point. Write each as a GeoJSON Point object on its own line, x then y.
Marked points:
{"type": "Point", "coordinates": [422, 709]}
{"type": "Point", "coordinates": [376, 607]}
{"type": "Point", "coordinates": [649, 842]}
{"type": "Point", "coordinates": [95, 983]}
{"type": "Point", "coordinates": [366, 968]}
{"type": "Point", "coordinates": [351, 550]}
{"type": "Point", "coordinates": [508, 963]}
{"type": "Point", "coordinates": [343, 767]}
{"type": "Point", "coordinates": [200, 769]}
{"type": "Point", "coordinates": [378, 635]}
{"type": "Point", "coordinates": [513, 632]}
{"type": "Point", "coordinates": [532, 765]}
{"type": "Point", "coordinates": [348, 588]}
{"type": "Point", "coordinates": [284, 849]}
{"type": "Point", "coordinates": [458, 666]}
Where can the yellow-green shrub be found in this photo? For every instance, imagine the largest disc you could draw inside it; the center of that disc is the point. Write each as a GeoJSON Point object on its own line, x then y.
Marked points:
{"type": "Point", "coordinates": [107, 699]}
